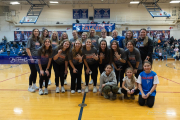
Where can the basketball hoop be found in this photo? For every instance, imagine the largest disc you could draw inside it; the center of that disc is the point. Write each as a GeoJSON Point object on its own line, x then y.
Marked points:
{"type": "Point", "coordinates": [27, 19]}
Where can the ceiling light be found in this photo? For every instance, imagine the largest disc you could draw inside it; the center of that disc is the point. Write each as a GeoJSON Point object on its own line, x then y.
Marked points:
{"type": "Point", "coordinates": [175, 2]}
{"type": "Point", "coordinates": [14, 3]}
{"type": "Point", "coordinates": [134, 2]}
{"type": "Point", "coordinates": [53, 2]}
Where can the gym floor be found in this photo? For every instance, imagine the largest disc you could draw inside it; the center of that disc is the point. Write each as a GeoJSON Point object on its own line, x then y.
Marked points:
{"type": "Point", "coordinates": [16, 103]}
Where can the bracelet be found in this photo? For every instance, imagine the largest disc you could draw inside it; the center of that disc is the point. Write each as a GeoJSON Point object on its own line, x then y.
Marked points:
{"type": "Point", "coordinates": [119, 58]}
{"type": "Point", "coordinates": [149, 93]}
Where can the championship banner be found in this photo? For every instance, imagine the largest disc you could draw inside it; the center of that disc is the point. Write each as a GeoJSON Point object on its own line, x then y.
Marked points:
{"type": "Point", "coordinates": [80, 13]}
{"type": "Point", "coordinates": [85, 27]}
{"type": "Point", "coordinates": [103, 13]}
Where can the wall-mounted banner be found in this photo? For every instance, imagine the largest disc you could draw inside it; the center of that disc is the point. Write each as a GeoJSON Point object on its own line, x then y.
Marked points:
{"type": "Point", "coordinates": [25, 35]}
{"type": "Point", "coordinates": [80, 13]}
{"type": "Point", "coordinates": [85, 27]}
{"type": "Point", "coordinates": [103, 13]}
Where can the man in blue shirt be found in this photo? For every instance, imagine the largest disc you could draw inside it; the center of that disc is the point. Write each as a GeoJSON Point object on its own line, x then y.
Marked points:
{"type": "Point", "coordinates": [118, 38]}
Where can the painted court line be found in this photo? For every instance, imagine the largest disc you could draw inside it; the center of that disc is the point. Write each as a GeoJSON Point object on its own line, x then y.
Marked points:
{"type": "Point", "coordinates": [168, 79]}
{"type": "Point", "coordinates": [81, 110]}
{"type": "Point", "coordinates": [14, 77]}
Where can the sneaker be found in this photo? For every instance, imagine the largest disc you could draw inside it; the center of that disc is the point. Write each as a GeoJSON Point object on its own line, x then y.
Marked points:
{"type": "Point", "coordinates": [114, 96]}
{"type": "Point", "coordinates": [40, 92]}
{"type": "Point", "coordinates": [82, 82]}
{"type": "Point", "coordinates": [57, 90]}
{"type": "Point", "coordinates": [35, 87]}
{"type": "Point", "coordinates": [175, 59]}
{"type": "Point", "coordinates": [72, 91]}
{"type": "Point", "coordinates": [79, 91]}
{"type": "Point", "coordinates": [132, 97]}
{"type": "Point", "coordinates": [43, 83]}
{"type": "Point", "coordinates": [91, 82]}
{"type": "Point", "coordinates": [62, 90]}
{"type": "Point", "coordinates": [86, 89]}
{"type": "Point", "coordinates": [162, 59]}
{"type": "Point", "coordinates": [158, 59]}
{"type": "Point", "coordinates": [45, 91]}
{"type": "Point", "coordinates": [179, 59]}
{"type": "Point", "coordinates": [106, 96]}
{"type": "Point", "coordinates": [119, 91]}
{"type": "Point", "coordinates": [49, 83]}
{"type": "Point", "coordinates": [94, 89]}
{"type": "Point", "coordinates": [65, 82]}
{"type": "Point", "coordinates": [31, 89]}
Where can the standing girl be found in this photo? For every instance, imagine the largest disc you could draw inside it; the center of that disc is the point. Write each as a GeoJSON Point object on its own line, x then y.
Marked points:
{"type": "Point", "coordinates": [118, 59]}
{"type": "Point", "coordinates": [63, 37]}
{"type": "Point", "coordinates": [60, 63]}
{"type": "Point", "coordinates": [90, 64]}
{"type": "Point", "coordinates": [75, 61]}
{"type": "Point", "coordinates": [44, 62]}
{"type": "Point", "coordinates": [104, 54]}
{"type": "Point", "coordinates": [32, 47]}
{"type": "Point", "coordinates": [108, 82]}
{"type": "Point", "coordinates": [84, 38]}
{"type": "Point", "coordinates": [75, 37]}
{"type": "Point", "coordinates": [129, 84]}
{"type": "Point", "coordinates": [147, 83]}
{"type": "Point", "coordinates": [134, 58]}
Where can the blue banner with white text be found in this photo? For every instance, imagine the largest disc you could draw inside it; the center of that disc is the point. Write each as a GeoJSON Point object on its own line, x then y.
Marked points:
{"type": "Point", "coordinates": [80, 13]}
{"type": "Point", "coordinates": [85, 27]}
{"type": "Point", "coordinates": [103, 13]}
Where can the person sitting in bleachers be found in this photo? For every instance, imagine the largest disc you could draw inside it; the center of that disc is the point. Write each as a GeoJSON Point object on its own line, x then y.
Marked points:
{"type": "Point", "coordinates": [164, 54]}
{"type": "Point", "coordinates": [160, 57]}
{"type": "Point", "coordinates": [177, 54]}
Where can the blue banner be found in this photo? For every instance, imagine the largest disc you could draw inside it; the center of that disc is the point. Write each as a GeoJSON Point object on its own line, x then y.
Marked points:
{"type": "Point", "coordinates": [80, 13]}
{"type": "Point", "coordinates": [85, 27]}
{"type": "Point", "coordinates": [103, 13]}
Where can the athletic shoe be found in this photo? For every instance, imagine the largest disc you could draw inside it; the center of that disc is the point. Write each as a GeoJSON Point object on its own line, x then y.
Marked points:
{"type": "Point", "coordinates": [114, 96]}
{"type": "Point", "coordinates": [162, 59]}
{"type": "Point", "coordinates": [91, 82]}
{"type": "Point", "coordinates": [40, 92]}
{"type": "Point", "coordinates": [49, 83]}
{"type": "Point", "coordinates": [57, 90]}
{"type": "Point", "coordinates": [62, 90]}
{"type": "Point", "coordinates": [79, 91]}
{"type": "Point", "coordinates": [132, 97]}
{"type": "Point", "coordinates": [45, 91]}
{"type": "Point", "coordinates": [94, 89]}
{"type": "Point", "coordinates": [82, 82]}
{"type": "Point", "coordinates": [72, 91]}
{"type": "Point", "coordinates": [86, 89]}
{"type": "Point", "coordinates": [65, 82]}
{"type": "Point", "coordinates": [35, 87]}
{"type": "Point", "coordinates": [119, 91]}
{"type": "Point", "coordinates": [175, 59]}
{"type": "Point", "coordinates": [158, 59]}
{"type": "Point", "coordinates": [106, 96]}
{"type": "Point", "coordinates": [43, 83]}
{"type": "Point", "coordinates": [31, 89]}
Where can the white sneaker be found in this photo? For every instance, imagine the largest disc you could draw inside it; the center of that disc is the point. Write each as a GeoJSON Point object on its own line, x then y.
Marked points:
{"type": "Point", "coordinates": [43, 83]}
{"type": "Point", "coordinates": [179, 59]}
{"type": "Point", "coordinates": [162, 59]}
{"type": "Point", "coordinates": [35, 87]}
{"type": "Point", "coordinates": [158, 59]}
{"type": "Point", "coordinates": [91, 82]}
{"type": "Point", "coordinates": [94, 89]}
{"type": "Point", "coordinates": [65, 82]}
{"type": "Point", "coordinates": [49, 83]}
{"type": "Point", "coordinates": [175, 59]}
{"type": "Point", "coordinates": [119, 91]}
{"type": "Point", "coordinates": [57, 90]}
{"type": "Point", "coordinates": [82, 82]}
{"type": "Point", "coordinates": [45, 91]}
{"type": "Point", "coordinates": [31, 89]}
{"type": "Point", "coordinates": [72, 91]}
{"type": "Point", "coordinates": [86, 89]}
{"type": "Point", "coordinates": [79, 91]}
{"type": "Point", "coordinates": [62, 90]}
{"type": "Point", "coordinates": [154, 59]}
{"type": "Point", "coordinates": [40, 92]}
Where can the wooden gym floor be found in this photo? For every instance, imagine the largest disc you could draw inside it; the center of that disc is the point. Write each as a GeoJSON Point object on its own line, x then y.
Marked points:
{"type": "Point", "coordinates": [16, 103]}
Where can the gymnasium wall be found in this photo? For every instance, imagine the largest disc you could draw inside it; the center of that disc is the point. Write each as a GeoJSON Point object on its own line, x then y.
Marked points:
{"type": "Point", "coordinates": [128, 15]}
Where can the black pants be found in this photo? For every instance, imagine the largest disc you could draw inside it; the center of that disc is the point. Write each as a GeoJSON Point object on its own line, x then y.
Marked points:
{"type": "Point", "coordinates": [150, 101]}
{"type": "Point", "coordinates": [44, 77]}
{"type": "Point", "coordinates": [120, 74]}
{"type": "Point", "coordinates": [75, 76]}
{"type": "Point", "coordinates": [138, 72]}
{"type": "Point", "coordinates": [177, 57]}
{"type": "Point", "coordinates": [102, 68]}
{"type": "Point", "coordinates": [160, 57]}
{"type": "Point", "coordinates": [50, 67]}
{"type": "Point", "coordinates": [125, 91]}
{"type": "Point", "coordinates": [33, 74]}
{"type": "Point", "coordinates": [59, 73]}
{"type": "Point", "coordinates": [94, 70]}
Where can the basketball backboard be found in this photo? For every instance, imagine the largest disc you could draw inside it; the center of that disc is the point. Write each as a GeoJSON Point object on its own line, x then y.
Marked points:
{"type": "Point", "coordinates": [159, 14]}
{"type": "Point", "coordinates": [29, 19]}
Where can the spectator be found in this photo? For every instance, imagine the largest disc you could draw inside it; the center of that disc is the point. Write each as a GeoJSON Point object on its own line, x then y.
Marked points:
{"type": "Point", "coordinates": [171, 51]}
{"type": "Point", "coordinates": [119, 39]}
{"type": "Point", "coordinates": [164, 54]}
{"type": "Point", "coordinates": [160, 55]}
{"type": "Point", "coordinates": [171, 40]}
{"type": "Point", "coordinates": [177, 54]}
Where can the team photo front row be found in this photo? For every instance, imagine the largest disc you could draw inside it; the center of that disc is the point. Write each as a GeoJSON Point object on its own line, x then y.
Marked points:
{"type": "Point", "coordinates": [113, 63]}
